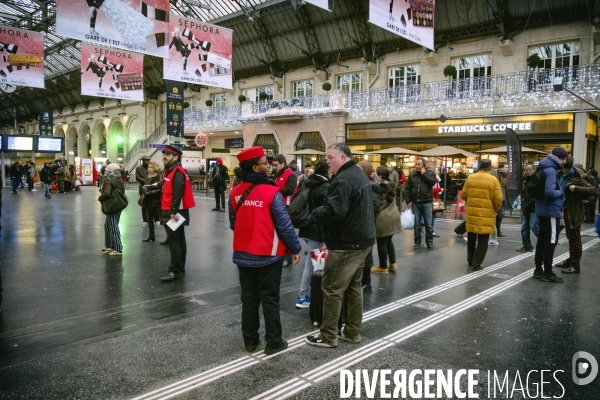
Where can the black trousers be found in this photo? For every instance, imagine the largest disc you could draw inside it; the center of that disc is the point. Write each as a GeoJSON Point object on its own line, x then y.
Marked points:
{"type": "Point", "coordinates": [385, 249]}
{"type": "Point", "coordinates": [220, 196]}
{"type": "Point", "coordinates": [366, 278]}
{"type": "Point", "coordinates": [261, 285]}
{"type": "Point", "coordinates": [178, 247]}
{"type": "Point", "coordinates": [477, 246]}
{"type": "Point", "coordinates": [547, 241]}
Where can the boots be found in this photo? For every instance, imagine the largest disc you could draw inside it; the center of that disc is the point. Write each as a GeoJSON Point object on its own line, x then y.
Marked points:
{"type": "Point", "coordinates": [379, 270]}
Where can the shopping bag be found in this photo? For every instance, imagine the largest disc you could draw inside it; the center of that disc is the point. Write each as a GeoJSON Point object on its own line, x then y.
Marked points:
{"type": "Point", "coordinates": [318, 257]}
{"type": "Point", "coordinates": [517, 203]}
{"type": "Point", "coordinates": [407, 219]}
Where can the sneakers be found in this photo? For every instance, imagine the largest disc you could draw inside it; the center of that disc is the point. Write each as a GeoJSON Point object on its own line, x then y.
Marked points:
{"type": "Point", "coordinates": [392, 266]}
{"type": "Point", "coordinates": [144, 224]}
{"type": "Point", "coordinates": [367, 287]}
{"type": "Point", "coordinates": [500, 234]}
{"type": "Point", "coordinates": [277, 348]}
{"type": "Point", "coordinates": [477, 268]}
{"type": "Point", "coordinates": [430, 247]}
{"type": "Point", "coordinates": [466, 240]}
{"type": "Point", "coordinates": [157, 223]}
{"type": "Point", "coordinates": [33, 190]}
{"type": "Point", "coordinates": [106, 250]}
{"type": "Point", "coordinates": [435, 235]}
{"type": "Point", "coordinates": [416, 246]}
{"type": "Point", "coordinates": [552, 278]}
{"type": "Point", "coordinates": [537, 274]}
{"type": "Point", "coordinates": [379, 270]}
{"type": "Point", "coordinates": [571, 270]}
{"type": "Point", "coordinates": [493, 243]}
{"type": "Point", "coordinates": [303, 303]}
{"type": "Point", "coordinates": [315, 340]}
{"type": "Point", "coordinates": [215, 209]}
{"type": "Point", "coordinates": [525, 250]}
{"type": "Point", "coordinates": [564, 264]}
{"type": "Point", "coordinates": [169, 277]}
{"type": "Point", "coordinates": [347, 339]}
{"type": "Point", "coordinates": [115, 253]}
{"type": "Point", "coordinates": [252, 346]}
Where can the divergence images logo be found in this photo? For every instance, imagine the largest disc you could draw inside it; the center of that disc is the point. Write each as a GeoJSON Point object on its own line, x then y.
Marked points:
{"type": "Point", "coordinates": [580, 367]}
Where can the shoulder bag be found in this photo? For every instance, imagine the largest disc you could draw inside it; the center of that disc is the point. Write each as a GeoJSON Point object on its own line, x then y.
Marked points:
{"type": "Point", "coordinates": [115, 203]}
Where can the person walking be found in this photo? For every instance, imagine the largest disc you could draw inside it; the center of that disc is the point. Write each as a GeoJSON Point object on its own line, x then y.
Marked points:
{"type": "Point", "coordinates": [387, 224]}
{"type": "Point", "coordinates": [529, 219]}
{"type": "Point", "coordinates": [502, 174]}
{"type": "Point", "coordinates": [219, 180]}
{"type": "Point", "coordinates": [67, 179]}
{"type": "Point", "coordinates": [263, 235]}
{"type": "Point", "coordinates": [572, 180]}
{"type": "Point", "coordinates": [152, 198]}
{"type": "Point", "coordinates": [60, 177]}
{"type": "Point", "coordinates": [15, 176]}
{"type": "Point", "coordinates": [177, 199]}
{"type": "Point", "coordinates": [112, 236]}
{"type": "Point", "coordinates": [318, 183]}
{"type": "Point", "coordinates": [46, 178]}
{"type": "Point", "coordinates": [141, 175]}
{"type": "Point", "coordinates": [349, 233]}
{"type": "Point", "coordinates": [419, 194]}
{"type": "Point", "coordinates": [549, 212]}
{"type": "Point", "coordinates": [483, 196]}
{"type": "Point", "coordinates": [31, 174]}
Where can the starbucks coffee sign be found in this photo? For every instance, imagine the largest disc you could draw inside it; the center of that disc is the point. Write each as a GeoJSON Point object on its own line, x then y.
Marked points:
{"type": "Point", "coordinates": [517, 126]}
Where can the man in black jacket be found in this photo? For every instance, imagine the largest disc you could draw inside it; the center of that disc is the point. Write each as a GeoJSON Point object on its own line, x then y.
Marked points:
{"type": "Point", "coordinates": [219, 177]}
{"type": "Point", "coordinates": [46, 178]}
{"type": "Point", "coordinates": [349, 233]}
{"type": "Point", "coordinates": [529, 219]}
{"type": "Point", "coordinates": [419, 194]}
{"type": "Point", "coordinates": [141, 175]}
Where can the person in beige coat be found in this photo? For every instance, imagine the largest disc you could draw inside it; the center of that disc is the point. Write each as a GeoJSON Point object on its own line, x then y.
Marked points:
{"type": "Point", "coordinates": [483, 196]}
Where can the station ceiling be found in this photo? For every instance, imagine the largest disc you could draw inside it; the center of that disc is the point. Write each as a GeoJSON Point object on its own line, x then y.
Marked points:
{"type": "Point", "coordinates": [275, 36]}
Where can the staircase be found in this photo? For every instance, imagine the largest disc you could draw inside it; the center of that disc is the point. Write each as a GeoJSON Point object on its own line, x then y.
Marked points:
{"type": "Point", "coordinates": [140, 148]}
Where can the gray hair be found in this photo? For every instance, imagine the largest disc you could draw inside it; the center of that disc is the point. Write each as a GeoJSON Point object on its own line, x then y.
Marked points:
{"type": "Point", "coordinates": [341, 148]}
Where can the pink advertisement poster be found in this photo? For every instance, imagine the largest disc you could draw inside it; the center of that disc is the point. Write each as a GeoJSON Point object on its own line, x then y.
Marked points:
{"type": "Point", "coordinates": [135, 25]}
{"type": "Point", "coordinates": [21, 57]}
{"type": "Point", "coordinates": [199, 53]}
{"type": "Point", "coordinates": [112, 73]}
{"type": "Point", "coordinates": [411, 19]}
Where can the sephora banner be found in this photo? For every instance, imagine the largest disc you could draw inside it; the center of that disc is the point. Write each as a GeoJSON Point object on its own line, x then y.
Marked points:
{"type": "Point", "coordinates": [140, 26]}
{"type": "Point", "coordinates": [117, 74]}
{"type": "Point", "coordinates": [21, 57]}
{"type": "Point", "coordinates": [199, 53]}
{"type": "Point", "coordinates": [412, 20]}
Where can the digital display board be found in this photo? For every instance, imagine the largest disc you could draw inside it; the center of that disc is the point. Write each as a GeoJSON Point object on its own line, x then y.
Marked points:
{"type": "Point", "coordinates": [1, 142]}
{"type": "Point", "coordinates": [49, 144]}
{"type": "Point", "coordinates": [19, 143]}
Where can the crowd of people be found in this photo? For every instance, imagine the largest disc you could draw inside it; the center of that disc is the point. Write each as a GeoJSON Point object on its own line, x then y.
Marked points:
{"type": "Point", "coordinates": [53, 176]}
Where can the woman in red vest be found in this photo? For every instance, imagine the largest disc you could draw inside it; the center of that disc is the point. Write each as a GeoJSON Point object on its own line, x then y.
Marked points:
{"type": "Point", "coordinates": [263, 235]}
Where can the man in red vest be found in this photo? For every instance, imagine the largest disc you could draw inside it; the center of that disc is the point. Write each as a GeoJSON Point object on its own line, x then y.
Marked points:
{"type": "Point", "coordinates": [177, 199]}
{"type": "Point", "coordinates": [287, 182]}
{"type": "Point", "coordinates": [263, 235]}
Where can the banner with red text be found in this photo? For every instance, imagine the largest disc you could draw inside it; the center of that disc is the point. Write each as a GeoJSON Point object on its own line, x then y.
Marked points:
{"type": "Point", "coordinates": [21, 57]}
{"type": "Point", "coordinates": [134, 25]}
{"type": "Point", "coordinates": [112, 73]}
{"type": "Point", "coordinates": [199, 53]}
{"type": "Point", "coordinates": [412, 20]}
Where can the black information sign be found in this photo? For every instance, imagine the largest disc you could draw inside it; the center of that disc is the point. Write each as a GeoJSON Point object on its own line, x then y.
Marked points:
{"type": "Point", "coordinates": [174, 108]}
{"type": "Point", "coordinates": [234, 143]}
{"type": "Point", "coordinates": [46, 122]}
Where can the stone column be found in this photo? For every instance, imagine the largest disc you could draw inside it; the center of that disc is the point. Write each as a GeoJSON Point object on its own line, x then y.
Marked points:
{"type": "Point", "coordinates": [580, 131]}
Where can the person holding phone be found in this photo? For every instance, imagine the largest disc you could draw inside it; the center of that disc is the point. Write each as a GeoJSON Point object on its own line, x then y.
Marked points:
{"type": "Point", "coordinates": [419, 194]}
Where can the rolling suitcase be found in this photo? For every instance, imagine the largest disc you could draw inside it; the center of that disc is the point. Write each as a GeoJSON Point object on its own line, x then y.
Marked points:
{"type": "Point", "coordinates": [315, 310]}
{"type": "Point", "coordinates": [461, 229]}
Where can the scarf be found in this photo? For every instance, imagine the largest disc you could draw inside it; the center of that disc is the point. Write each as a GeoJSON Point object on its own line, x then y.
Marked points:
{"type": "Point", "coordinates": [374, 177]}
{"type": "Point", "coordinates": [154, 175]}
{"type": "Point", "coordinates": [258, 178]}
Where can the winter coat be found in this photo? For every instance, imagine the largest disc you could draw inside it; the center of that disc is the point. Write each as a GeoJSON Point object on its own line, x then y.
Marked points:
{"type": "Point", "coordinates": [153, 193]}
{"type": "Point", "coordinates": [551, 204]}
{"type": "Point", "coordinates": [46, 175]}
{"type": "Point", "coordinates": [67, 177]}
{"type": "Point", "coordinates": [317, 197]}
{"type": "Point", "coordinates": [15, 171]}
{"type": "Point", "coordinates": [574, 200]}
{"type": "Point", "coordinates": [419, 186]}
{"type": "Point", "coordinates": [141, 174]}
{"type": "Point", "coordinates": [527, 200]}
{"type": "Point", "coordinates": [387, 222]}
{"type": "Point", "coordinates": [347, 218]}
{"type": "Point", "coordinates": [111, 181]}
{"type": "Point", "coordinates": [221, 180]}
{"type": "Point", "coordinates": [484, 198]}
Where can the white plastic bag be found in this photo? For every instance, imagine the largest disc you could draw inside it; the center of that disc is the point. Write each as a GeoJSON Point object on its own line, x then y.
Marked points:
{"type": "Point", "coordinates": [407, 219]}
{"type": "Point", "coordinates": [318, 257]}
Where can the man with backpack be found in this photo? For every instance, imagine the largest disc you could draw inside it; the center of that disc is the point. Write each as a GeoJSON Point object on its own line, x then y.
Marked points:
{"type": "Point", "coordinates": [548, 207]}
{"type": "Point", "coordinates": [529, 219]}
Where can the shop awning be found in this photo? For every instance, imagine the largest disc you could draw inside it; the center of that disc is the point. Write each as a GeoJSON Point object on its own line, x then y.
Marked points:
{"type": "Point", "coordinates": [447, 151]}
{"type": "Point", "coordinates": [308, 152]}
{"type": "Point", "coordinates": [394, 150]}
{"type": "Point", "coordinates": [502, 150]}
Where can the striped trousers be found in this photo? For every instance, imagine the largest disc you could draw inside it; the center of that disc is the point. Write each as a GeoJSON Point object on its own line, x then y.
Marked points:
{"type": "Point", "coordinates": [112, 236]}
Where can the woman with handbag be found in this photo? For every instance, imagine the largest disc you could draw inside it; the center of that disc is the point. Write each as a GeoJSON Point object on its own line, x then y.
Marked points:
{"type": "Point", "coordinates": [438, 204]}
{"type": "Point", "coordinates": [111, 182]}
{"type": "Point", "coordinates": [387, 224]}
{"type": "Point", "coordinates": [152, 198]}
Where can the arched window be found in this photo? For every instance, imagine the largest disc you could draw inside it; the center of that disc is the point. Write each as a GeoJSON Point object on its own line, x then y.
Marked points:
{"type": "Point", "coordinates": [268, 142]}
{"type": "Point", "coordinates": [310, 140]}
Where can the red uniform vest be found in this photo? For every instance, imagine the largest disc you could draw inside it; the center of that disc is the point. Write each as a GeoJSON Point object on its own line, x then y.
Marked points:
{"type": "Point", "coordinates": [280, 182]}
{"type": "Point", "coordinates": [254, 231]}
{"type": "Point", "coordinates": [187, 200]}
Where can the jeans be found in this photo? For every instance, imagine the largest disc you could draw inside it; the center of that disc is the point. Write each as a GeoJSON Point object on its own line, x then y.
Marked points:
{"type": "Point", "coordinates": [47, 186]}
{"type": "Point", "coordinates": [308, 268]}
{"type": "Point", "coordinates": [220, 196]}
{"type": "Point", "coordinates": [385, 249]}
{"type": "Point", "coordinates": [529, 223]}
{"type": "Point", "coordinates": [15, 184]}
{"type": "Point", "coordinates": [426, 211]}
{"type": "Point", "coordinates": [477, 246]}
{"type": "Point", "coordinates": [547, 241]}
{"type": "Point", "coordinates": [342, 282]}
{"type": "Point", "coordinates": [261, 285]}
{"type": "Point", "coordinates": [575, 245]}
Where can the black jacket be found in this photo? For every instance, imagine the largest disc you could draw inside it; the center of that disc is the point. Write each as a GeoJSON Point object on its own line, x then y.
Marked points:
{"type": "Point", "coordinates": [221, 180]}
{"type": "Point", "coordinates": [527, 200]}
{"type": "Point", "coordinates": [153, 193]}
{"type": "Point", "coordinates": [290, 183]}
{"type": "Point", "coordinates": [178, 186]}
{"type": "Point", "coordinates": [46, 175]}
{"type": "Point", "coordinates": [419, 187]}
{"type": "Point", "coordinates": [347, 219]}
{"type": "Point", "coordinates": [15, 171]}
{"type": "Point", "coordinates": [141, 174]}
{"type": "Point", "coordinates": [317, 197]}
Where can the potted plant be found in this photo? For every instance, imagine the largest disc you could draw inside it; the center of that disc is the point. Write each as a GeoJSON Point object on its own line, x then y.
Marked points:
{"type": "Point", "coordinates": [285, 103]}
{"type": "Point", "coordinates": [209, 103]}
{"type": "Point", "coordinates": [327, 86]}
{"type": "Point", "coordinates": [534, 61]}
{"type": "Point", "coordinates": [241, 98]}
{"type": "Point", "coordinates": [262, 96]}
{"type": "Point", "coordinates": [186, 104]}
{"type": "Point", "coordinates": [450, 70]}
{"type": "Point", "coordinates": [275, 104]}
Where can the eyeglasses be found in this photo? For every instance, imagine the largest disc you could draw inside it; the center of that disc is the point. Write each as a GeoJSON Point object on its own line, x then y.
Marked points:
{"type": "Point", "coordinates": [260, 163]}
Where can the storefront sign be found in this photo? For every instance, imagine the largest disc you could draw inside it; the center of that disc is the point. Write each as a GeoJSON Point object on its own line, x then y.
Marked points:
{"type": "Point", "coordinates": [174, 108]}
{"type": "Point", "coordinates": [21, 57]}
{"type": "Point", "coordinates": [412, 20]}
{"type": "Point", "coordinates": [141, 26]}
{"type": "Point", "coordinates": [234, 143]}
{"type": "Point", "coordinates": [521, 126]}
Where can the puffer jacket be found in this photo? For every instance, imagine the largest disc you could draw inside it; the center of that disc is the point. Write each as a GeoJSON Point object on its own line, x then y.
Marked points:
{"type": "Point", "coordinates": [484, 198]}
{"type": "Point", "coordinates": [574, 200]}
{"type": "Point", "coordinates": [551, 204]}
{"type": "Point", "coordinates": [387, 222]}
{"type": "Point", "coordinates": [419, 187]}
{"type": "Point", "coordinates": [153, 193]}
{"type": "Point", "coordinates": [317, 197]}
{"type": "Point", "coordinates": [527, 200]}
{"type": "Point", "coordinates": [347, 218]}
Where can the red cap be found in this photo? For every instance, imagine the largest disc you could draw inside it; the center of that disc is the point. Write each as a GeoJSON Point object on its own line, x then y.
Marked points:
{"type": "Point", "coordinates": [250, 153]}
{"type": "Point", "coordinates": [219, 161]}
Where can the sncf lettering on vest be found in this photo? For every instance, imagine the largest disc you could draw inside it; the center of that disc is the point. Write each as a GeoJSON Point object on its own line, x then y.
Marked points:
{"type": "Point", "coordinates": [251, 203]}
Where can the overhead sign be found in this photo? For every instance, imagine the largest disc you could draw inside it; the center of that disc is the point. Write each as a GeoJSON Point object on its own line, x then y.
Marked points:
{"type": "Point", "coordinates": [234, 143]}
{"type": "Point", "coordinates": [45, 144]}
{"type": "Point", "coordinates": [517, 126]}
{"type": "Point", "coordinates": [46, 121]}
{"type": "Point", "coordinates": [412, 20]}
{"type": "Point", "coordinates": [174, 108]}
{"type": "Point", "coordinates": [199, 53]}
{"type": "Point", "coordinates": [112, 73]}
{"type": "Point", "coordinates": [159, 146]}
{"type": "Point", "coordinates": [140, 26]}
{"type": "Point", "coordinates": [21, 57]}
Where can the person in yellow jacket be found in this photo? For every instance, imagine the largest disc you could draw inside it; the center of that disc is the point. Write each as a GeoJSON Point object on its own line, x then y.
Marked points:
{"type": "Point", "coordinates": [483, 196]}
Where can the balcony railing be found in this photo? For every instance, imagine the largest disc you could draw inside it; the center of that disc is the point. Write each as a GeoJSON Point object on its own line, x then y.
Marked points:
{"type": "Point", "coordinates": [213, 118]}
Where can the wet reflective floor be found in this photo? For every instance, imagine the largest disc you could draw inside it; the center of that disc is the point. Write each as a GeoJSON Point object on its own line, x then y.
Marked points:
{"type": "Point", "coordinates": [76, 323]}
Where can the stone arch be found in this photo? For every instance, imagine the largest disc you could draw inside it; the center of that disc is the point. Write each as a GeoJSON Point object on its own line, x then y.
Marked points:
{"type": "Point", "coordinates": [70, 141]}
{"type": "Point", "coordinates": [135, 131]}
{"type": "Point", "coordinates": [59, 133]}
{"type": "Point", "coordinates": [84, 145]}
{"type": "Point", "coordinates": [98, 138]}
{"type": "Point", "coordinates": [115, 146]}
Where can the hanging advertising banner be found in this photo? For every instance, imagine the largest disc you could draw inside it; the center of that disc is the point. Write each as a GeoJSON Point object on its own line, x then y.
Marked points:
{"type": "Point", "coordinates": [319, 3]}
{"type": "Point", "coordinates": [112, 73]}
{"type": "Point", "coordinates": [413, 20]}
{"type": "Point", "coordinates": [134, 25]}
{"type": "Point", "coordinates": [46, 121]}
{"type": "Point", "coordinates": [21, 57]}
{"type": "Point", "coordinates": [199, 53]}
{"type": "Point", "coordinates": [514, 178]}
{"type": "Point", "coordinates": [174, 108]}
